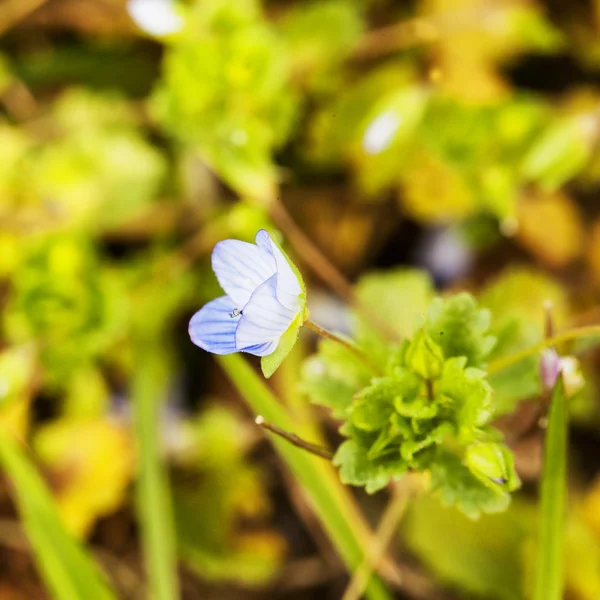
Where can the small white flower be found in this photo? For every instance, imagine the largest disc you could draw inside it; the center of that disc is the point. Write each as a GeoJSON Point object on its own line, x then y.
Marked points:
{"type": "Point", "coordinates": [155, 17]}
{"type": "Point", "coordinates": [264, 297]}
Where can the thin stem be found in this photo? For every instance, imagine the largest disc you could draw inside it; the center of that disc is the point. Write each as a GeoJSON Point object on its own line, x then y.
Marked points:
{"type": "Point", "coordinates": [387, 527]}
{"type": "Point", "coordinates": [430, 390]}
{"type": "Point", "coordinates": [565, 336]}
{"type": "Point", "coordinates": [312, 256]}
{"type": "Point", "coordinates": [292, 438]}
{"type": "Point", "coordinates": [329, 335]}
{"type": "Point", "coordinates": [548, 319]}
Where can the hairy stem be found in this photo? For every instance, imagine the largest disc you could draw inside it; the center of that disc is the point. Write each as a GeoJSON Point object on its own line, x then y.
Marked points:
{"type": "Point", "coordinates": [295, 440]}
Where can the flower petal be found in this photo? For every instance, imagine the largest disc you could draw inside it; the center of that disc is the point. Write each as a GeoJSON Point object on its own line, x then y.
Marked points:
{"type": "Point", "coordinates": [240, 268]}
{"type": "Point", "coordinates": [288, 286]}
{"type": "Point", "coordinates": [264, 318]}
{"type": "Point", "coordinates": [263, 349]}
{"type": "Point", "coordinates": [213, 328]}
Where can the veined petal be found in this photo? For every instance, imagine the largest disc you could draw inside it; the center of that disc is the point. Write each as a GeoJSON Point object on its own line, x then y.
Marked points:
{"type": "Point", "coordinates": [213, 328]}
{"type": "Point", "coordinates": [288, 286]}
{"type": "Point", "coordinates": [240, 268]}
{"type": "Point", "coordinates": [263, 349]}
{"type": "Point", "coordinates": [264, 318]}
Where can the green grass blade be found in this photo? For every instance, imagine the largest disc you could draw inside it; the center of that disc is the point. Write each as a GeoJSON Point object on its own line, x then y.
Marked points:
{"type": "Point", "coordinates": [330, 500]}
{"type": "Point", "coordinates": [550, 569]}
{"type": "Point", "coordinates": [154, 499]}
{"type": "Point", "coordinates": [65, 566]}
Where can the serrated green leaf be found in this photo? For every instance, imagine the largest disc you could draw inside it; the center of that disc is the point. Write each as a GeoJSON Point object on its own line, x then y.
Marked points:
{"type": "Point", "coordinates": [456, 486]}
{"type": "Point", "coordinates": [357, 469]}
{"type": "Point", "coordinates": [470, 396]}
{"type": "Point", "coordinates": [435, 436]}
{"type": "Point", "coordinates": [460, 328]}
{"type": "Point", "coordinates": [416, 408]}
{"type": "Point", "coordinates": [374, 405]}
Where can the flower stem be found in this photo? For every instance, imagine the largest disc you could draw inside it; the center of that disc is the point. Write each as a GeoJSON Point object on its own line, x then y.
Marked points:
{"type": "Point", "coordinates": [292, 438]}
{"type": "Point", "coordinates": [312, 256]}
{"type": "Point", "coordinates": [559, 338]}
{"type": "Point", "coordinates": [329, 335]}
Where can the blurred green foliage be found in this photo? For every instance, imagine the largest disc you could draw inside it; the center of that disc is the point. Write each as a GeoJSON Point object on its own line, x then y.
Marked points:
{"type": "Point", "coordinates": [125, 156]}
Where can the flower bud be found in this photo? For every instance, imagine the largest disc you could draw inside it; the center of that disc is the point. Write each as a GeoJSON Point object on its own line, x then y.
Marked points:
{"type": "Point", "coordinates": [424, 357]}
{"type": "Point", "coordinates": [549, 368]}
{"type": "Point", "coordinates": [492, 464]}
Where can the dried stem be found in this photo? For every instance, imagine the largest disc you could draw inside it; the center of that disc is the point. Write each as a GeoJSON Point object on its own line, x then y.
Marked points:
{"type": "Point", "coordinates": [292, 438]}
{"type": "Point", "coordinates": [548, 319]}
{"type": "Point", "coordinates": [312, 256]}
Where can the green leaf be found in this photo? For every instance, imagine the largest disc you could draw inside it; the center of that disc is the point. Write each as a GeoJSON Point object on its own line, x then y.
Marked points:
{"type": "Point", "coordinates": [333, 376]}
{"type": "Point", "coordinates": [549, 577]}
{"type": "Point", "coordinates": [320, 34]}
{"type": "Point", "coordinates": [67, 569]}
{"type": "Point", "coordinates": [385, 136]}
{"type": "Point", "coordinates": [480, 557]}
{"type": "Point", "coordinates": [409, 448]}
{"type": "Point", "coordinates": [519, 324]}
{"type": "Point", "coordinates": [269, 364]}
{"type": "Point", "coordinates": [356, 468]}
{"type": "Point", "coordinates": [470, 395]}
{"type": "Point", "coordinates": [330, 501]}
{"type": "Point", "coordinates": [460, 328]}
{"type": "Point", "coordinates": [373, 406]}
{"type": "Point", "coordinates": [227, 489]}
{"type": "Point", "coordinates": [456, 486]}
{"type": "Point", "coordinates": [560, 154]}
{"type": "Point", "coordinates": [398, 297]}
{"type": "Point", "coordinates": [153, 490]}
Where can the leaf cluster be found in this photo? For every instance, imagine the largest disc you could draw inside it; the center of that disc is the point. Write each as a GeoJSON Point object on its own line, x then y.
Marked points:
{"type": "Point", "coordinates": [430, 411]}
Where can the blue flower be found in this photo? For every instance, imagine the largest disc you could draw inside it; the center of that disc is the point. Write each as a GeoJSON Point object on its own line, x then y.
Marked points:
{"type": "Point", "coordinates": [264, 297]}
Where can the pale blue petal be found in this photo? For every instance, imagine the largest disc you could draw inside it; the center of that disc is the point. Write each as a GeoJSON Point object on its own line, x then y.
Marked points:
{"type": "Point", "coordinates": [263, 349]}
{"type": "Point", "coordinates": [288, 286]}
{"type": "Point", "coordinates": [240, 268]}
{"type": "Point", "coordinates": [264, 318]}
{"type": "Point", "coordinates": [213, 328]}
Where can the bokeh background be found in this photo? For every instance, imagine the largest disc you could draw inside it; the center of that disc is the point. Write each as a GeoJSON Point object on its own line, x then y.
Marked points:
{"type": "Point", "coordinates": [448, 144]}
